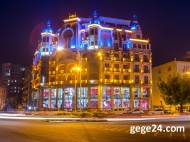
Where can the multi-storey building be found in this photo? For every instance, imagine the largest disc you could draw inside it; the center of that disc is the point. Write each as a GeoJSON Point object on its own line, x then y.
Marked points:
{"type": "Point", "coordinates": [11, 78]}
{"type": "Point", "coordinates": [26, 87]}
{"type": "Point", "coordinates": [162, 72]}
{"type": "Point", "coordinates": [98, 62]}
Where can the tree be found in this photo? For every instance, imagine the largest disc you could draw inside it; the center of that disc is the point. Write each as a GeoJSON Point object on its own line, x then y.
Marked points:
{"type": "Point", "coordinates": [176, 90]}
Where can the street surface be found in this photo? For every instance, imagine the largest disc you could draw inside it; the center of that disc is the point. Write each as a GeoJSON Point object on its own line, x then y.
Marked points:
{"type": "Point", "coordinates": [13, 130]}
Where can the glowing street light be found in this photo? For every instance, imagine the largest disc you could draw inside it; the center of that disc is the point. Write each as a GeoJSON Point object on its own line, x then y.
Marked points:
{"type": "Point", "coordinates": [76, 69]}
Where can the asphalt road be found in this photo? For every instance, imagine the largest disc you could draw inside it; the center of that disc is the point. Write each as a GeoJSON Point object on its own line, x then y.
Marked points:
{"type": "Point", "coordinates": [38, 131]}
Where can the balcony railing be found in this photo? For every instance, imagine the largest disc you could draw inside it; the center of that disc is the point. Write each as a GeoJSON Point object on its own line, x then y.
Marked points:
{"type": "Point", "coordinates": [116, 69]}
{"type": "Point", "coordinates": [137, 82]}
{"type": "Point", "coordinates": [145, 60]}
{"type": "Point", "coordinates": [146, 71]}
{"type": "Point", "coordinates": [117, 59]}
{"type": "Point", "coordinates": [126, 81]}
{"type": "Point", "coordinates": [126, 59]}
{"type": "Point", "coordinates": [136, 70]}
{"type": "Point", "coordinates": [107, 69]}
{"type": "Point", "coordinates": [107, 58]}
{"type": "Point", "coordinates": [137, 59]}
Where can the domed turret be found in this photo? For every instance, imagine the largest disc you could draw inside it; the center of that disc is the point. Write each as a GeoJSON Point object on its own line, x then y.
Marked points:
{"type": "Point", "coordinates": [48, 29]}
{"type": "Point", "coordinates": [134, 24]}
{"type": "Point", "coordinates": [94, 19]}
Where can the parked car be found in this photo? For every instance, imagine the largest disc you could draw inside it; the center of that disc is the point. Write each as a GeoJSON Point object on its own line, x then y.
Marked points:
{"type": "Point", "coordinates": [120, 110]}
{"type": "Point", "coordinates": [168, 112]}
{"type": "Point", "coordinates": [8, 109]}
{"type": "Point", "coordinates": [136, 111]}
{"type": "Point", "coordinates": [158, 111]}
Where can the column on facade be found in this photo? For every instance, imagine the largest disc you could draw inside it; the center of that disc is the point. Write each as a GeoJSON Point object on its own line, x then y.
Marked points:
{"type": "Point", "coordinates": [63, 99]}
{"type": "Point", "coordinates": [37, 99]}
{"type": "Point", "coordinates": [112, 97]}
{"type": "Point", "coordinates": [41, 91]}
{"type": "Point", "coordinates": [150, 99]}
{"type": "Point", "coordinates": [140, 97]}
{"type": "Point", "coordinates": [49, 98]}
{"type": "Point", "coordinates": [99, 96]}
{"type": "Point", "coordinates": [56, 97]}
{"type": "Point", "coordinates": [32, 99]}
{"type": "Point", "coordinates": [88, 95]}
{"type": "Point", "coordinates": [131, 98]}
{"type": "Point", "coordinates": [121, 96]}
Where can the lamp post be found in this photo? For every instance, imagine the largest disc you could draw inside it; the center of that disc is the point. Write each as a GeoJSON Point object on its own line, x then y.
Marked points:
{"type": "Point", "coordinates": [76, 69]}
{"type": "Point", "coordinates": [80, 63]}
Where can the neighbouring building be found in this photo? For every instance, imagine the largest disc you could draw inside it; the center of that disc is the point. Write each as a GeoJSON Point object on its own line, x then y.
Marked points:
{"type": "Point", "coordinates": [26, 87]}
{"type": "Point", "coordinates": [162, 72]}
{"type": "Point", "coordinates": [3, 95]}
{"type": "Point", "coordinates": [97, 63]}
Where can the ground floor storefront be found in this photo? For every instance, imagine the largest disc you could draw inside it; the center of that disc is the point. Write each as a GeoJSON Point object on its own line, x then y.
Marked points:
{"type": "Point", "coordinates": [94, 97]}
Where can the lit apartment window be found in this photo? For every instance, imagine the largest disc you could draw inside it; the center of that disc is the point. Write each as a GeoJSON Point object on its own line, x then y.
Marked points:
{"type": "Point", "coordinates": [15, 87]}
{"type": "Point", "coordinates": [15, 80]}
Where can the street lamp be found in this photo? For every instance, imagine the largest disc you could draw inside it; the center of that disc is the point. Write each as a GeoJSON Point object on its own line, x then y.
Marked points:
{"type": "Point", "coordinates": [76, 69]}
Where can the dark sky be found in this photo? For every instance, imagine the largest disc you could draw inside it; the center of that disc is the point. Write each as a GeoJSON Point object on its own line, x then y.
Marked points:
{"type": "Point", "coordinates": [165, 22]}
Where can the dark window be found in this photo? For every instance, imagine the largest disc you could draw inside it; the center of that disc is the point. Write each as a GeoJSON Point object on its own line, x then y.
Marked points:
{"type": "Point", "coordinates": [91, 31]}
{"type": "Point", "coordinates": [169, 68]}
{"type": "Point", "coordinates": [125, 56]}
{"type": "Point", "coordinates": [107, 65]}
{"type": "Point", "coordinates": [145, 58]}
{"type": "Point", "coordinates": [107, 54]}
{"type": "Point", "coordinates": [138, 36]}
{"type": "Point", "coordinates": [146, 79]}
{"type": "Point", "coordinates": [136, 57]}
{"type": "Point", "coordinates": [147, 46]}
{"type": "Point", "coordinates": [96, 42]}
{"type": "Point", "coordinates": [107, 76]}
{"type": "Point", "coordinates": [136, 68]}
{"type": "Point", "coordinates": [84, 55]}
{"type": "Point", "coordinates": [115, 36]}
{"type": "Point", "coordinates": [134, 46]}
{"type": "Point", "coordinates": [116, 77]}
{"type": "Point", "coordinates": [126, 77]}
{"type": "Point", "coordinates": [116, 55]}
{"type": "Point", "coordinates": [136, 79]}
{"type": "Point", "coordinates": [47, 39]}
{"type": "Point", "coordinates": [116, 65]}
{"type": "Point", "coordinates": [146, 69]}
{"type": "Point", "coordinates": [126, 66]}
{"type": "Point", "coordinates": [52, 79]}
{"type": "Point", "coordinates": [92, 43]}
{"type": "Point", "coordinates": [143, 47]}
{"type": "Point", "coordinates": [123, 37]}
{"type": "Point", "coordinates": [44, 39]}
{"type": "Point", "coordinates": [44, 50]}
{"type": "Point", "coordinates": [124, 47]}
{"type": "Point", "coordinates": [96, 31]}
{"type": "Point", "coordinates": [116, 46]}
{"type": "Point", "coordinates": [139, 46]}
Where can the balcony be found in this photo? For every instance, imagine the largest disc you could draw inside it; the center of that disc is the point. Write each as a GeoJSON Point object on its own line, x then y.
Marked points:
{"type": "Point", "coordinates": [116, 59]}
{"type": "Point", "coordinates": [126, 81]}
{"type": "Point", "coordinates": [117, 81]}
{"type": "Point", "coordinates": [108, 81]}
{"type": "Point", "coordinates": [116, 70]}
{"type": "Point", "coordinates": [52, 83]}
{"type": "Point", "coordinates": [145, 60]}
{"type": "Point", "coordinates": [126, 70]}
{"type": "Point", "coordinates": [126, 59]}
{"type": "Point", "coordinates": [107, 69]}
{"type": "Point", "coordinates": [137, 81]}
{"type": "Point", "coordinates": [93, 81]}
{"type": "Point", "coordinates": [107, 58]}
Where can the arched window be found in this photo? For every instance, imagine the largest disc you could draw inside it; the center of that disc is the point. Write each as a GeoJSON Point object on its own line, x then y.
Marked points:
{"type": "Point", "coordinates": [147, 46]}
{"type": "Point", "coordinates": [134, 46]}
{"type": "Point", "coordinates": [139, 46]}
{"type": "Point", "coordinates": [144, 47]}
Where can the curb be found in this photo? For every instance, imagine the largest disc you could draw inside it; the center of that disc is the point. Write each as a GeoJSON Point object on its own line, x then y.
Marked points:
{"type": "Point", "coordinates": [73, 120]}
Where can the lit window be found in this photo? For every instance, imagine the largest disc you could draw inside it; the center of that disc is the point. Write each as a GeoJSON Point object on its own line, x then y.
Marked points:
{"type": "Point", "coordinates": [15, 80]}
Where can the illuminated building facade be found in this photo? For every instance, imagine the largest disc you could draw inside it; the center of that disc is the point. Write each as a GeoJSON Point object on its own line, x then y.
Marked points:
{"type": "Point", "coordinates": [104, 59]}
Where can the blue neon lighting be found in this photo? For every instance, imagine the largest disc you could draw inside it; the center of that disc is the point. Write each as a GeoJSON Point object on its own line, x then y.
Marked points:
{"type": "Point", "coordinates": [133, 28]}
{"type": "Point", "coordinates": [108, 44]}
{"type": "Point", "coordinates": [73, 46]}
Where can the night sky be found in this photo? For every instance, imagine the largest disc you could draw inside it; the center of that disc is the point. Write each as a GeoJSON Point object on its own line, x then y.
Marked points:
{"type": "Point", "coordinates": [166, 23]}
